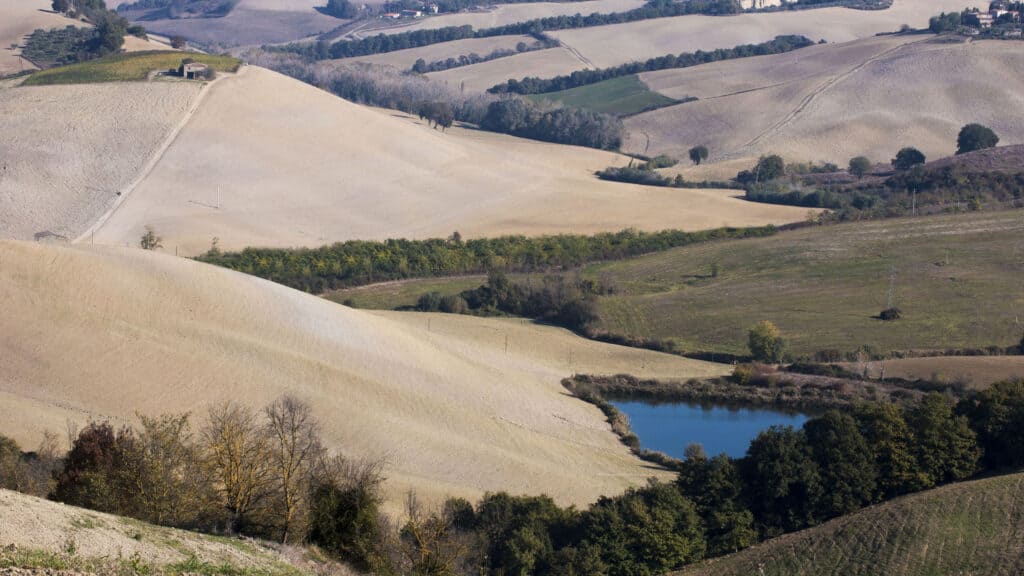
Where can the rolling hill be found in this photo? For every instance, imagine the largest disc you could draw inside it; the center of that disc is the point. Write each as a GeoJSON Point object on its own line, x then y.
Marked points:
{"type": "Point", "coordinates": [830, 103]}
{"type": "Point", "coordinates": [269, 161]}
{"type": "Point", "coordinates": [967, 528]}
{"type": "Point", "coordinates": [19, 19]}
{"type": "Point", "coordinates": [453, 405]}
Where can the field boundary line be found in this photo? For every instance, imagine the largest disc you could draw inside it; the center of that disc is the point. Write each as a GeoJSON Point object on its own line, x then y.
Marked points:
{"type": "Point", "coordinates": [151, 163]}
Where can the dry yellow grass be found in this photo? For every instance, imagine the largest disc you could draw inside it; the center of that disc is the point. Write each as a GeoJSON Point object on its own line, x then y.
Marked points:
{"type": "Point", "coordinates": [90, 332]}
{"type": "Point", "coordinates": [974, 371]}
{"type": "Point", "coordinates": [291, 165]}
{"type": "Point", "coordinates": [50, 528]}
{"type": "Point", "coordinates": [830, 103]}
{"type": "Point", "coordinates": [19, 18]}
{"type": "Point", "coordinates": [67, 150]}
{"type": "Point", "coordinates": [404, 59]}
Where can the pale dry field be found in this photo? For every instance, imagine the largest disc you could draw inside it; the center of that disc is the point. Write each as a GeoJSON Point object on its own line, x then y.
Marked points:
{"type": "Point", "coordinates": [103, 333]}
{"type": "Point", "coordinates": [404, 59]}
{"type": "Point", "coordinates": [18, 19]}
{"type": "Point", "coordinates": [67, 151]}
{"type": "Point", "coordinates": [616, 44]}
{"type": "Point", "coordinates": [975, 371]}
{"type": "Point", "coordinates": [291, 165]}
{"type": "Point", "coordinates": [831, 103]}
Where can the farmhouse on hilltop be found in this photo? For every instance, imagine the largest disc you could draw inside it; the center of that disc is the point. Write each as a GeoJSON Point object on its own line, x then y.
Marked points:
{"type": "Point", "coordinates": [193, 70]}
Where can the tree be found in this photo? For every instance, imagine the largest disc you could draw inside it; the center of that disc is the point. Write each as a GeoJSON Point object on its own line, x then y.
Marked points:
{"type": "Point", "coordinates": [783, 482]}
{"type": "Point", "coordinates": [891, 444]}
{"type": "Point", "coordinates": [178, 42]}
{"type": "Point", "coordinates": [907, 158]}
{"type": "Point", "coordinates": [150, 241]}
{"type": "Point", "coordinates": [293, 447]}
{"type": "Point", "coordinates": [975, 137]}
{"type": "Point", "coordinates": [235, 450]}
{"type": "Point", "coordinates": [344, 510]}
{"type": "Point", "coordinates": [341, 9]}
{"type": "Point", "coordinates": [767, 168]}
{"type": "Point", "coordinates": [109, 38]}
{"type": "Point", "coordinates": [698, 154]}
{"type": "Point", "coordinates": [859, 166]}
{"type": "Point", "coordinates": [89, 478]}
{"type": "Point", "coordinates": [61, 6]}
{"type": "Point", "coordinates": [848, 472]}
{"type": "Point", "coordinates": [946, 448]}
{"type": "Point", "coordinates": [766, 343]}
{"type": "Point", "coordinates": [997, 415]}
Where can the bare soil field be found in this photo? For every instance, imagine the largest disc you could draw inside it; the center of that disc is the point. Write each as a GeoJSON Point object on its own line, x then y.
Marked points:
{"type": "Point", "coordinates": [318, 169]}
{"type": "Point", "coordinates": [18, 19]}
{"type": "Point", "coordinates": [67, 151]}
{"type": "Point", "coordinates": [540, 63]}
{"type": "Point", "coordinates": [453, 405]}
{"type": "Point", "coordinates": [976, 372]}
{"type": "Point", "coordinates": [404, 59]}
{"type": "Point", "coordinates": [604, 46]}
{"type": "Point", "coordinates": [41, 528]}
{"type": "Point", "coordinates": [830, 103]}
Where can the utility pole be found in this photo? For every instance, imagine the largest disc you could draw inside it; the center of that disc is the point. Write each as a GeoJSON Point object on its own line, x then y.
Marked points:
{"type": "Point", "coordinates": [892, 284]}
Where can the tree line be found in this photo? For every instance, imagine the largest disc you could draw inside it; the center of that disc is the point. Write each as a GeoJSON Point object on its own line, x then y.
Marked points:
{"type": "Point", "coordinates": [266, 473]}
{"type": "Point", "coordinates": [574, 126]}
{"type": "Point", "coordinates": [534, 85]}
{"type": "Point", "coordinates": [359, 262]}
{"type": "Point", "coordinates": [543, 42]}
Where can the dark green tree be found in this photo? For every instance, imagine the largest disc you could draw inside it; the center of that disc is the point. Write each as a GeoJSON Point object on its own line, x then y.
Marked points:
{"type": "Point", "coordinates": [341, 9]}
{"type": "Point", "coordinates": [859, 166]}
{"type": "Point", "coordinates": [946, 448]}
{"type": "Point", "coordinates": [61, 6]}
{"type": "Point", "coordinates": [891, 444]}
{"type": "Point", "coordinates": [344, 518]}
{"type": "Point", "coordinates": [848, 473]}
{"type": "Point", "coordinates": [975, 137]}
{"type": "Point", "coordinates": [767, 168]}
{"type": "Point", "coordinates": [782, 481]}
{"type": "Point", "coordinates": [997, 415]}
{"type": "Point", "coordinates": [716, 489]}
{"type": "Point", "coordinates": [907, 158]}
{"type": "Point", "coordinates": [698, 154]}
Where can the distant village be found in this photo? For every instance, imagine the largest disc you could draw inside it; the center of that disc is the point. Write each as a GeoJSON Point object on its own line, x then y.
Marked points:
{"type": "Point", "coordinates": [1003, 17]}
{"type": "Point", "coordinates": [411, 13]}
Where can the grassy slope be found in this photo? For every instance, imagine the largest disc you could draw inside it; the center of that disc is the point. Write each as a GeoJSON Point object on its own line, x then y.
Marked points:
{"type": "Point", "coordinates": [967, 528]}
{"type": "Point", "coordinates": [958, 282]}
{"type": "Point", "coordinates": [619, 96]}
{"type": "Point", "coordinates": [126, 67]}
{"type": "Point", "coordinates": [39, 534]}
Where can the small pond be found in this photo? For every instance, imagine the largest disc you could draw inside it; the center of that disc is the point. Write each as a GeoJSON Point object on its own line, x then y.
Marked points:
{"type": "Point", "coordinates": [670, 427]}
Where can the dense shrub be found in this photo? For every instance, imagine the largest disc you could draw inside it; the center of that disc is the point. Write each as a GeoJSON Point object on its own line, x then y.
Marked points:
{"type": "Point", "coordinates": [975, 137]}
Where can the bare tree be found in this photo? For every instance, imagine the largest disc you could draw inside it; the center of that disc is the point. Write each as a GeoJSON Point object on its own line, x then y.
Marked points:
{"type": "Point", "coordinates": [293, 437]}
{"type": "Point", "coordinates": [236, 448]}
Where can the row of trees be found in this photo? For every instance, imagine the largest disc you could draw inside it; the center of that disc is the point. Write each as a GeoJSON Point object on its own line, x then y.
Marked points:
{"type": "Point", "coordinates": [422, 67]}
{"type": "Point", "coordinates": [534, 85]}
{"type": "Point", "coordinates": [574, 126]}
{"type": "Point", "coordinates": [358, 262]}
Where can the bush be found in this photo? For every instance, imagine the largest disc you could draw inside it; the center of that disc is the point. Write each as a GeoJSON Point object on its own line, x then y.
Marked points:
{"type": "Point", "coordinates": [698, 154]}
{"type": "Point", "coordinates": [767, 168]}
{"type": "Point", "coordinates": [890, 314]}
{"type": "Point", "coordinates": [859, 166]}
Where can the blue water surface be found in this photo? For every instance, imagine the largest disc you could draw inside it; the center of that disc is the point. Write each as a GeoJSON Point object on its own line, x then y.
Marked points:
{"type": "Point", "coordinates": [669, 428]}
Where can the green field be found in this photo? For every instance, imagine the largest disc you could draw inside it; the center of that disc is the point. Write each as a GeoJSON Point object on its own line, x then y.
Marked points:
{"type": "Point", "coordinates": [958, 279]}
{"type": "Point", "coordinates": [621, 96]}
{"type": "Point", "coordinates": [967, 528]}
{"type": "Point", "coordinates": [133, 66]}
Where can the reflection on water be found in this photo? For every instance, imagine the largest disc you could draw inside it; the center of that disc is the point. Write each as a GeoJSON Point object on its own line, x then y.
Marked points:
{"type": "Point", "coordinates": [669, 427]}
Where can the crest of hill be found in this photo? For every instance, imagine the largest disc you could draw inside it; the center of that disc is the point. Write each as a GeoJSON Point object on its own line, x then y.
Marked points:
{"type": "Point", "coordinates": [453, 405]}
{"type": "Point", "coordinates": [269, 161]}
{"type": "Point", "coordinates": [966, 528]}
{"type": "Point", "coordinates": [831, 103]}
